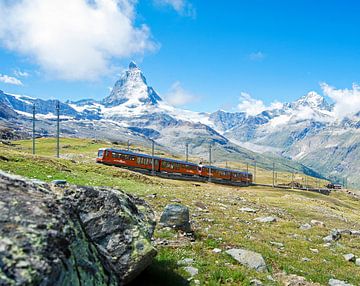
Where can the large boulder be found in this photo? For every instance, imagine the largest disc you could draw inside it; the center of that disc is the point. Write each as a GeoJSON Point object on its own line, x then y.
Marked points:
{"type": "Point", "coordinates": [71, 235]}
{"type": "Point", "coordinates": [176, 216]}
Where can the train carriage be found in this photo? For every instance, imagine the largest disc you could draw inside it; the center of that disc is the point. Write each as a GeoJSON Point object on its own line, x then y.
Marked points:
{"type": "Point", "coordinates": [237, 176]}
{"type": "Point", "coordinates": [216, 172]}
{"type": "Point", "coordinates": [117, 157]}
{"type": "Point", "coordinates": [180, 167]}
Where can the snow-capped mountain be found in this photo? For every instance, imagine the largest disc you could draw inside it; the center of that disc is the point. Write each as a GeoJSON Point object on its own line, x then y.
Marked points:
{"type": "Point", "coordinates": [132, 90]}
{"type": "Point", "coordinates": [135, 111]}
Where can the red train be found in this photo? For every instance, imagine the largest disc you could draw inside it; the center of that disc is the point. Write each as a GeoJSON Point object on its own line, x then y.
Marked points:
{"type": "Point", "coordinates": [130, 159]}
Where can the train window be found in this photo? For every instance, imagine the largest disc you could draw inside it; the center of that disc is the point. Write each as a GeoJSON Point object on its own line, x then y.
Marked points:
{"type": "Point", "coordinates": [100, 153]}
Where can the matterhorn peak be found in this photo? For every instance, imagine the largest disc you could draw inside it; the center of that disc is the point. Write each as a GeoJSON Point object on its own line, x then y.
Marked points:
{"type": "Point", "coordinates": [132, 90]}
{"type": "Point", "coordinates": [133, 65]}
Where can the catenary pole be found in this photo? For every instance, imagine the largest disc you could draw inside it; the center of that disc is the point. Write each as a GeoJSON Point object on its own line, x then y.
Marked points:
{"type": "Point", "coordinates": [210, 162]}
{"type": "Point", "coordinates": [187, 151]}
{"type": "Point", "coordinates": [58, 129]}
{"type": "Point", "coordinates": [273, 175]}
{"type": "Point", "coordinates": [33, 131]}
{"type": "Point", "coordinates": [152, 157]}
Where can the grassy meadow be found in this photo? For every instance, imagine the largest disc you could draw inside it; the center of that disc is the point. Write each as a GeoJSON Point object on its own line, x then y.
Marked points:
{"type": "Point", "coordinates": [219, 222]}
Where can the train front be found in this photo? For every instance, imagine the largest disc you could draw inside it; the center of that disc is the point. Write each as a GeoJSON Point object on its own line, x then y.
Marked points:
{"type": "Point", "coordinates": [101, 155]}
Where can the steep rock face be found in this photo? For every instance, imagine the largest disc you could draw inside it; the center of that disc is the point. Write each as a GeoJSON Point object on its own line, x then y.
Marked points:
{"type": "Point", "coordinates": [82, 236]}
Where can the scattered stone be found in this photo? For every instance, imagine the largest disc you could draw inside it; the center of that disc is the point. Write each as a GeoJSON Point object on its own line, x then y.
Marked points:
{"type": "Point", "coordinates": [355, 232]}
{"type": "Point", "coordinates": [152, 196]}
{"type": "Point", "coordinates": [175, 201]}
{"type": "Point", "coordinates": [266, 219]}
{"type": "Point", "coordinates": [315, 222]}
{"type": "Point", "coordinates": [293, 280]}
{"type": "Point", "coordinates": [59, 182]}
{"type": "Point", "coordinates": [278, 244]}
{"type": "Point", "coordinates": [185, 261]}
{"type": "Point", "coordinates": [305, 226]}
{"type": "Point", "coordinates": [335, 282]}
{"type": "Point", "coordinates": [314, 250]}
{"type": "Point", "coordinates": [344, 231]}
{"type": "Point", "coordinates": [216, 250]}
{"type": "Point", "coordinates": [255, 282]}
{"type": "Point", "coordinates": [305, 259]}
{"type": "Point", "coordinates": [201, 205]}
{"type": "Point", "coordinates": [334, 235]}
{"type": "Point", "coordinates": [248, 210]}
{"type": "Point", "coordinates": [350, 257]}
{"type": "Point", "coordinates": [248, 258]}
{"type": "Point", "coordinates": [197, 282]}
{"type": "Point", "coordinates": [191, 270]}
{"type": "Point", "coordinates": [176, 216]}
{"type": "Point", "coordinates": [357, 261]}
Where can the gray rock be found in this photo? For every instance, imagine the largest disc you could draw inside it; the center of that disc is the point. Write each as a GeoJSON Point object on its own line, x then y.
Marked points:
{"type": "Point", "coordinates": [59, 182]}
{"type": "Point", "coordinates": [305, 259]}
{"type": "Point", "coordinates": [335, 282]}
{"type": "Point", "coordinates": [278, 244]}
{"type": "Point", "coordinates": [357, 261]}
{"type": "Point", "coordinates": [305, 226]}
{"type": "Point", "coordinates": [355, 232]}
{"type": "Point", "coordinates": [185, 261]}
{"type": "Point", "coordinates": [216, 250]}
{"type": "Point", "coordinates": [315, 222]}
{"type": "Point", "coordinates": [176, 216]}
{"type": "Point", "coordinates": [248, 210]}
{"type": "Point", "coordinates": [334, 235]}
{"type": "Point", "coordinates": [350, 257]}
{"type": "Point", "coordinates": [255, 282]}
{"type": "Point", "coordinates": [191, 270]}
{"type": "Point", "coordinates": [72, 237]}
{"type": "Point", "coordinates": [266, 219]}
{"type": "Point", "coordinates": [248, 258]}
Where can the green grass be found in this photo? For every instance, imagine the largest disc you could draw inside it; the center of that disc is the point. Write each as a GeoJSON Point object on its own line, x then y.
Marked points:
{"type": "Point", "coordinates": [223, 226]}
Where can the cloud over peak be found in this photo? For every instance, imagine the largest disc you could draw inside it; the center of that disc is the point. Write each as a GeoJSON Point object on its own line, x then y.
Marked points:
{"type": "Point", "coordinates": [73, 39]}
{"type": "Point", "coordinates": [10, 80]}
{"type": "Point", "coordinates": [346, 101]}
{"type": "Point", "coordinates": [178, 96]}
{"type": "Point", "coordinates": [252, 106]}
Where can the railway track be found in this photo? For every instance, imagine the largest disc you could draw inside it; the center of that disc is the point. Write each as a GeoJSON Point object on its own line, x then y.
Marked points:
{"type": "Point", "coordinates": [181, 177]}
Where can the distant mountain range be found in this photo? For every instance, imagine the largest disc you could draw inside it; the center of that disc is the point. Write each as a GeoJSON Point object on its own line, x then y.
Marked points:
{"type": "Point", "coordinates": [297, 134]}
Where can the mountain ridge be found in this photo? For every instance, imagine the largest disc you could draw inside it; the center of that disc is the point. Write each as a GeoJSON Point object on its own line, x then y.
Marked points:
{"type": "Point", "coordinates": [135, 109]}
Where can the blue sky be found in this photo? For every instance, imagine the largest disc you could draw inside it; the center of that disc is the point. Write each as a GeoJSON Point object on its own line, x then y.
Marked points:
{"type": "Point", "coordinates": [210, 50]}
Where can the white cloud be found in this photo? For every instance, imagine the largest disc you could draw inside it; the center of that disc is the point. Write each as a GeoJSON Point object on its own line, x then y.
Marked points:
{"type": "Point", "coordinates": [346, 101]}
{"type": "Point", "coordinates": [254, 106]}
{"type": "Point", "coordinates": [73, 39]}
{"type": "Point", "coordinates": [178, 96]}
{"type": "Point", "coordinates": [257, 56]}
{"type": "Point", "coordinates": [9, 80]}
{"type": "Point", "coordinates": [20, 73]}
{"type": "Point", "coordinates": [183, 7]}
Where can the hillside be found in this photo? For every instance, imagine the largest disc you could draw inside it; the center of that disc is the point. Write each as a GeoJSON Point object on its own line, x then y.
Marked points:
{"type": "Point", "coordinates": [219, 219]}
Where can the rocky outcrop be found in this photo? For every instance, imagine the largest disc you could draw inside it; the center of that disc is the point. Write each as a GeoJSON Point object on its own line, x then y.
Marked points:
{"type": "Point", "coordinates": [71, 235]}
